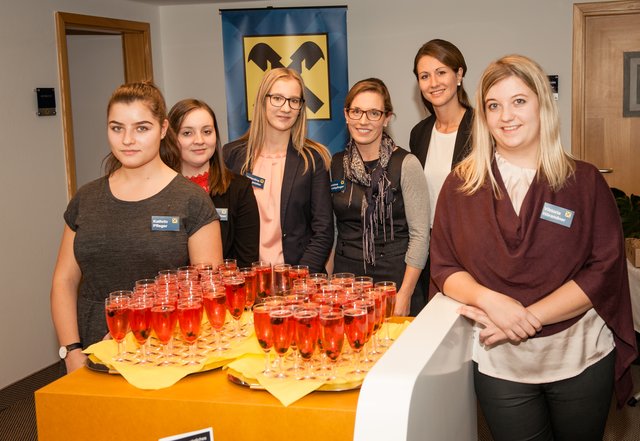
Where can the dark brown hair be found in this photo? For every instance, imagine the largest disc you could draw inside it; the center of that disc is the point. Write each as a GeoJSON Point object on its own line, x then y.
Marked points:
{"type": "Point", "coordinates": [150, 95]}
{"type": "Point", "coordinates": [449, 55]}
{"type": "Point", "coordinates": [219, 175]}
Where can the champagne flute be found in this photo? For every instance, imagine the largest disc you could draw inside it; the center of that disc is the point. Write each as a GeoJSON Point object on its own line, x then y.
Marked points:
{"type": "Point", "coordinates": [236, 292]}
{"type": "Point", "coordinates": [263, 278]}
{"type": "Point", "coordinates": [355, 326]}
{"type": "Point", "coordinates": [264, 334]}
{"type": "Point", "coordinates": [215, 305]}
{"type": "Point", "coordinates": [298, 272]}
{"type": "Point", "coordinates": [281, 281]}
{"type": "Point", "coordinates": [306, 330]}
{"type": "Point", "coordinates": [390, 292]}
{"type": "Point", "coordinates": [164, 315]}
{"type": "Point", "coordinates": [251, 286]}
{"type": "Point", "coordinates": [140, 323]}
{"type": "Point", "coordinates": [332, 336]}
{"type": "Point", "coordinates": [117, 313]}
{"type": "Point", "coordinates": [281, 326]}
{"type": "Point", "coordinates": [190, 320]}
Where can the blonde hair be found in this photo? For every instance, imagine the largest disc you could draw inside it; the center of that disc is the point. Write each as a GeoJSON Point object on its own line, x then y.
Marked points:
{"type": "Point", "coordinates": [554, 163]}
{"type": "Point", "coordinates": [256, 135]}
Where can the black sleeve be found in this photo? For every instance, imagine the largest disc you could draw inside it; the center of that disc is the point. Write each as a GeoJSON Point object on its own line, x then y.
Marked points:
{"type": "Point", "coordinates": [247, 223]}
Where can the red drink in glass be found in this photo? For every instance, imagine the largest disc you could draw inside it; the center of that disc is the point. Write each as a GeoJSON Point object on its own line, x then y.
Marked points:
{"type": "Point", "coordinates": [163, 321]}
{"type": "Point", "coordinates": [117, 321]}
{"type": "Point", "coordinates": [355, 326]}
{"type": "Point", "coordinates": [306, 331]}
{"type": "Point", "coordinates": [263, 278]}
{"type": "Point", "coordinates": [190, 319]}
{"type": "Point", "coordinates": [140, 321]}
{"type": "Point", "coordinates": [262, 326]}
{"type": "Point", "coordinates": [236, 296]}
{"type": "Point", "coordinates": [251, 285]}
{"type": "Point", "coordinates": [298, 272]}
{"type": "Point", "coordinates": [281, 329]}
{"type": "Point", "coordinates": [215, 306]}
{"type": "Point", "coordinates": [281, 281]}
{"type": "Point", "coordinates": [332, 333]}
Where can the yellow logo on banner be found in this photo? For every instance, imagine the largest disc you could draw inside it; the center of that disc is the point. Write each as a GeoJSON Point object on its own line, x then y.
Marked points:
{"type": "Point", "coordinates": [307, 54]}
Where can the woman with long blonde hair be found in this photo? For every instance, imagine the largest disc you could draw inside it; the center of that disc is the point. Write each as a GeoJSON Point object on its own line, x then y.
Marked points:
{"type": "Point", "coordinates": [530, 241]}
{"type": "Point", "coordinates": [289, 173]}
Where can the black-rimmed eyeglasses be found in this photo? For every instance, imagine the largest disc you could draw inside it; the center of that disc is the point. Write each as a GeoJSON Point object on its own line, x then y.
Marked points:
{"type": "Point", "coordinates": [372, 114]}
{"type": "Point", "coordinates": [278, 101]}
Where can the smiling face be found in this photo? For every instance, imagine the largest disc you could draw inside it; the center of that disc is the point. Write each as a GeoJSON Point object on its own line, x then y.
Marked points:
{"type": "Point", "coordinates": [134, 134]}
{"type": "Point", "coordinates": [513, 117]}
{"type": "Point", "coordinates": [364, 132]}
{"type": "Point", "coordinates": [197, 141]}
{"type": "Point", "coordinates": [438, 83]}
{"type": "Point", "coordinates": [283, 118]}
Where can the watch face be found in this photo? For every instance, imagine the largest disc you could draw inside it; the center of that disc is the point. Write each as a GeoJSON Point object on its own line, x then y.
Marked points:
{"type": "Point", "coordinates": [62, 352]}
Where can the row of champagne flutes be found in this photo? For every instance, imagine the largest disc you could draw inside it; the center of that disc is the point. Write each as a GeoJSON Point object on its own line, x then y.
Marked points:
{"type": "Point", "coordinates": [313, 319]}
{"type": "Point", "coordinates": [174, 303]}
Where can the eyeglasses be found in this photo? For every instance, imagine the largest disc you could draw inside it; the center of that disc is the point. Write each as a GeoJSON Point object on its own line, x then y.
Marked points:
{"type": "Point", "coordinates": [278, 101]}
{"type": "Point", "coordinates": [372, 114]}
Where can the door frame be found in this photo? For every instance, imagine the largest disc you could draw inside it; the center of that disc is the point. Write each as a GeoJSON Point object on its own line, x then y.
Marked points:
{"type": "Point", "coordinates": [581, 12]}
{"type": "Point", "coordinates": [136, 52]}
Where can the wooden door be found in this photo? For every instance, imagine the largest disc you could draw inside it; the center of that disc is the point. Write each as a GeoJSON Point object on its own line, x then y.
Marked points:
{"type": "Point", "coordinates": [136, 52]}
{"type": "Point", "coordinates": [603, 32]}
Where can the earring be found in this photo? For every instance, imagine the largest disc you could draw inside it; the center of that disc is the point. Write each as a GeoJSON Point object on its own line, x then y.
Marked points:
{"type": "Point", "coordinates": [459, 83]}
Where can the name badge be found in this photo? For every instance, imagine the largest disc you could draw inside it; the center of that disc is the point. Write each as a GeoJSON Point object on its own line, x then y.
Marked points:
{"type": "Point", "coordinates": [256, 181]}
{"type": "Point", "coordinates": [337, 185]}
{"type": "Point", "coordinates": [557, 215]}
{"type": "Point", "coordinates": [223, 213]}
{"type": "Point", "coordinates": [165, 223]}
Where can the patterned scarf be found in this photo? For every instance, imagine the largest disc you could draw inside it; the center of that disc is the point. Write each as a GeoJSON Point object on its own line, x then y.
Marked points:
{"type": "Point", "coordinates": [377, 201]}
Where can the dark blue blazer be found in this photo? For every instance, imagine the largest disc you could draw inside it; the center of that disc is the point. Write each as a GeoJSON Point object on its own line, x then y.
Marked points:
{"type": "Point", "coordinates": [306, 214]}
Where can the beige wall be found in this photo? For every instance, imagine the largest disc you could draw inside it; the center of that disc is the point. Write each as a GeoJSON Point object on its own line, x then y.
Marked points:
{"type": "Point", "coordinates": [33, 180]}
{"type": "Point", "coordinates": [187, 55]}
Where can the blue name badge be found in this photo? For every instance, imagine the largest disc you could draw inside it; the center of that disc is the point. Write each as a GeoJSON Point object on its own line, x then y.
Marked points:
{"type": "Point", "coordinates": [557, 215]}
{"type": "Point", "coordinates": [337, 185]}
{"type": "Point", "coordinates": [223, 213]}
{"type": "Point", "coordinates": [165, 223]}
{"type": "Point", "coordinates": [256, 181]}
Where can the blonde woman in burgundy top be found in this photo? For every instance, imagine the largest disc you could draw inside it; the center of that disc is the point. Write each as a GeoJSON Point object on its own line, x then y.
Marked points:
{"type": "Point", "coordinates": [289, 174]}
{"type": "Point", "coordinates": [530, 240]}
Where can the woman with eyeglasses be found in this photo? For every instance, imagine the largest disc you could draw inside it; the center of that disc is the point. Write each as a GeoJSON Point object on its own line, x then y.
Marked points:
{"type": "Point", "coordinates": [378, 191]}
{"type": "Point", "coordinates": [289, 174]}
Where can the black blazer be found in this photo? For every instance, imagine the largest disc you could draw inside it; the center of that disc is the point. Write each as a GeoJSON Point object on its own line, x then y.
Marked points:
{"type": "Point", "coordinates": [241, 229]}
{"type": "Point", "coordinates": [306, 214]}
{"type": "Point", "coordinates": [421, 135]}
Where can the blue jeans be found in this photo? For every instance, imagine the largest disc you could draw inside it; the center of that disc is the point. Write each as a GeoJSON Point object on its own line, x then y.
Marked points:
{"type": "Point", "coordinates": [567, 410]}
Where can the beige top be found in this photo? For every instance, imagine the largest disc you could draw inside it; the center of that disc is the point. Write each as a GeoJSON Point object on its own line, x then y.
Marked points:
{"type": "Point", "coordinates": [271, 168]}
{"type": "Point", "coordinates": [545, 359]}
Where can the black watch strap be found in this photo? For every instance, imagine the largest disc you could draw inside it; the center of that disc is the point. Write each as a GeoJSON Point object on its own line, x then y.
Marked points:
{"type": "Point", "coordinates": [73, 346]}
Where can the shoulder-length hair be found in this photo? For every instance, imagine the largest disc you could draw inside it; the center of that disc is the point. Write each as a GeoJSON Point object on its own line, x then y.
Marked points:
{"type": "Point", "coordinates": [375, 85]}
{"type": "Point", "coordinates": [150, 95]}
{"type": "Point", "coordinates": [448, 54]}
{"type": "Point", "coordinates": [256, 135]}
{"type": "Point", "coordinates": [554, 163]}
{"type": "Point", "coordinates": [219, 175]}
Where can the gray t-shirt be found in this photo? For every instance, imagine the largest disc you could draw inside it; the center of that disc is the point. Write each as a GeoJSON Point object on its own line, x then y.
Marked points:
{"type": "Point", "coordinates": [118, 242]}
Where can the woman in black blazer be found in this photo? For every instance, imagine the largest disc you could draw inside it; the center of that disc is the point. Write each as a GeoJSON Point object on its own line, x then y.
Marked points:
{"type": "Point", "coordinates": [289, 174]}
{"type": "Point", "coordinates": [439, 67]}
{"type": "Point", "coordinates": [199, 140]}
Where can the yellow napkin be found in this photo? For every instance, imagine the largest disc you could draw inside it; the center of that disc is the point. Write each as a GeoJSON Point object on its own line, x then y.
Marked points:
{"type": "Point", "coordinates": [153, 377]}
{"type": "Point", "coordinates": [290, 390]}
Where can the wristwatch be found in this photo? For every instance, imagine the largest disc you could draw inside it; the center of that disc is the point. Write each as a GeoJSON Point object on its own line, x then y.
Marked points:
{"type": "Point", "coordinates": [64, 350]}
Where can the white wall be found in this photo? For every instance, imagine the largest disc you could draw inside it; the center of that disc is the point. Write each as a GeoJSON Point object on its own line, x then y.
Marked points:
{"type": "Point", "coordinates": [96, 68]}
{"type": "Point", "coordinates": [383, 40]}
{"type": "Point", "coordinates": [33, 181]}
{"type": "Point", "coordinates": [187, 56]}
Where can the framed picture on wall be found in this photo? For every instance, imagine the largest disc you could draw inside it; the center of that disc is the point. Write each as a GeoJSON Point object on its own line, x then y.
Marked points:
{"type": "Point", "coordinates": [631, 101]}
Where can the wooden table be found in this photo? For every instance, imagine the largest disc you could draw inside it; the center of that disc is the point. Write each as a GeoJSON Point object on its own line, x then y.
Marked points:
{"type": "Point", "coordinates": [88, 405]}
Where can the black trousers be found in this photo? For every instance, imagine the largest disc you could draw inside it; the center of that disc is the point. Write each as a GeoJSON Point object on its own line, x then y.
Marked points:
{"type": "Point", "coordinates": [566, 410]}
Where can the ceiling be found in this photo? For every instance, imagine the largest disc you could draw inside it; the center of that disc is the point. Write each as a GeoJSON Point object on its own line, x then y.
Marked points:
{"type": "Point", "coordinates": [184, 2]}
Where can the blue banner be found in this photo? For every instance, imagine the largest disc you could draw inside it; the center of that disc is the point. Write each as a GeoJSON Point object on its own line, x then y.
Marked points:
{"type": "Point", "coordinates": [312, 41]}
